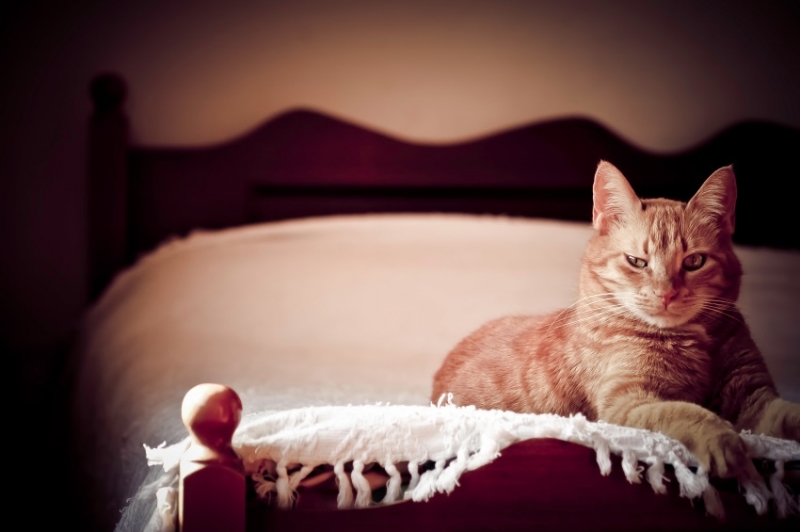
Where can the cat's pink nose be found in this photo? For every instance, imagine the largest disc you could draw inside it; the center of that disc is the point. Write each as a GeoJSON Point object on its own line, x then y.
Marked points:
{"type": "Point", "coordinates": [668, 296]}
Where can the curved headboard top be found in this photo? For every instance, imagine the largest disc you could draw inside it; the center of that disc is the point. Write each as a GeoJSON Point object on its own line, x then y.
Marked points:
{"type": "Point", "coordinates": [304, 163]}
{"type": "Point", "coordinates": [561, 150]}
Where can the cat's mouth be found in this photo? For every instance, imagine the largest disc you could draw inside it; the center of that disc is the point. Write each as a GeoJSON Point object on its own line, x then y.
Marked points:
{"type": "Point", "coordinates": [656, 314]}
{"type": "Point", "coordinates": [667, 318]}
{"type": "Point", "coordinates": [663, 317]}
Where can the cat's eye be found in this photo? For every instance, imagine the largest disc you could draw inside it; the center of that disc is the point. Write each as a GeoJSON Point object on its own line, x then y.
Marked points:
{"type": "Point", "coordinates": [694, 261]}
{"type": "Point", "coordinates": [636, 262]}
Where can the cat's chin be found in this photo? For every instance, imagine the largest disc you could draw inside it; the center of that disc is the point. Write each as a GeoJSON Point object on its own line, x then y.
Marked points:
{"type": "Point", "coordinates": [664, 320]}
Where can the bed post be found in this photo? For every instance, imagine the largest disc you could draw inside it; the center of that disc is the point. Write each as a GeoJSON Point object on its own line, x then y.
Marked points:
{"type": "Point", "coordinates": [212, 483]}
{"type": "Point", "coordinates": [107, 182]}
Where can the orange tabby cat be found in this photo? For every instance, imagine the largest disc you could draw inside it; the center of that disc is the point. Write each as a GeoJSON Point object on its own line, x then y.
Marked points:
{"type": "Point", "coordinates": [655, 340]}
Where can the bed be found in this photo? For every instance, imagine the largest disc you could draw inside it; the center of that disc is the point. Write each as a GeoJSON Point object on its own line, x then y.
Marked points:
{"type": "Point", "coordinates": [314, 263]}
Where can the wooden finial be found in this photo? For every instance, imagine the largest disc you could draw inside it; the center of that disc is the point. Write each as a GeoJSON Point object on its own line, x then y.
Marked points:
{"type": "Point", "coordinates": [211, 413]}
{"type": "Point", "coordinates": [212, 490]}
{"type": "Point", "coordinates": [108, 92]}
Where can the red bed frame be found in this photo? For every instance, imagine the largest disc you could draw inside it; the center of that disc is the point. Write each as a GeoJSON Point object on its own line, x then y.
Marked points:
{"type": "Point", "coordinates": [541, 484]}
{"type": "Point", "coordinates": [304, 163]}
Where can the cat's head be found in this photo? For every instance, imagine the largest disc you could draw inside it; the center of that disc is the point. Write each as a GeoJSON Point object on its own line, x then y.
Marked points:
{"type": "Point", "coordinates": [663, 261]}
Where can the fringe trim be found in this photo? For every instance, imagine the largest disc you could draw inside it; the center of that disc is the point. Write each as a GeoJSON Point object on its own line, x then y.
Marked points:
{"type": "Point", "coordinates": [470, 438]}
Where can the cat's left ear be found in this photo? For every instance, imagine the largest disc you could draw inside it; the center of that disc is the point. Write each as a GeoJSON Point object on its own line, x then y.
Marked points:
{"type": "Point", "coordinates": [715, 202]}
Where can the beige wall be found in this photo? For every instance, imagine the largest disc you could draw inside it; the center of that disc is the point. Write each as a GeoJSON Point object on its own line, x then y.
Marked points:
{"type": "Point", "coordinates": [663, 74]}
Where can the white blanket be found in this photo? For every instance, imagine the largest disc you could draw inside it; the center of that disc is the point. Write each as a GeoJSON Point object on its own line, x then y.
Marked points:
{"type": "Point", "coordinates": [456, 440]}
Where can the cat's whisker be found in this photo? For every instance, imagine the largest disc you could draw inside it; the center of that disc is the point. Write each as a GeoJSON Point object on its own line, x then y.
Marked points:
{"type": "Point", "coordinates": [712, 299]}
{"type": "Point", "coordinates": [581, 301]}
{"type": "Point", "coordinates": [585, 303]}
{"type": "Point", "coordinates": [581, 313]}
{"type": "Point", "coordinates": [714, 304]}
{"type": "Point", "coordinates": [585, 299]}
{"type": "Point", "coordinates": [607, 317]}
{"type": "Point", "coordinates": [604, 313]}
{"type": "Point", "coordinates": [720, 312]}
{"type": "Point", "coordinates": [717, 305]}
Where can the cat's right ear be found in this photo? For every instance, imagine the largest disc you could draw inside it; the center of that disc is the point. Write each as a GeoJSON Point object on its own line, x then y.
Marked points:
{"type": "Point", "coordinates": [613, 197]}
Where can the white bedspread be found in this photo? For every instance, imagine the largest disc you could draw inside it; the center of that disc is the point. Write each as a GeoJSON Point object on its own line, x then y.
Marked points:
{"type": "Point", "coordinates": [337, 311]}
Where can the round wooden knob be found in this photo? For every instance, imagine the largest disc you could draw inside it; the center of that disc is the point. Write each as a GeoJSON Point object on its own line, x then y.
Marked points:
{"type": "Point", "coordinates": [108, 92]}
{"type": "Point", "coordinates": [211, 413]}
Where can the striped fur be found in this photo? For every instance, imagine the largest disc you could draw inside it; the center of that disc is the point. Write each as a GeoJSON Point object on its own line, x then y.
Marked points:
{"type": "Point", "coordinates": [654, 341]}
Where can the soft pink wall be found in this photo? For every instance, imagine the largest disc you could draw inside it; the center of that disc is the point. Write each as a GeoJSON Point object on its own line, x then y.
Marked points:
{"type": "Point", "coordinates": [664, 74]}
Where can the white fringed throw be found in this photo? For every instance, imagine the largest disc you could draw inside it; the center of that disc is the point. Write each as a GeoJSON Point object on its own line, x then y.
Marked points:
{"type": "Point", "coordinates": [456, 439]}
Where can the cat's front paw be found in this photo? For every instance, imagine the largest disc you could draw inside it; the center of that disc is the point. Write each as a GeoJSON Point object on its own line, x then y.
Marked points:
{"type": "Point", "coordinates": [720, 451]}
{"type": "Point", "coordinates": [780, 419]}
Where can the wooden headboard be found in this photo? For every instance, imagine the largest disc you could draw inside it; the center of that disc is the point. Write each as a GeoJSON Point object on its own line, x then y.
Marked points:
{"type": "Point", "coordinates": [303, 163]}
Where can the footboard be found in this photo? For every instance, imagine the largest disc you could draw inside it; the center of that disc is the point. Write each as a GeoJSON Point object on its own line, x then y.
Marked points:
{"type": "Point", "coordinates": [538, 481]}
{"type": "Point", "coordinates": [212, 482]}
